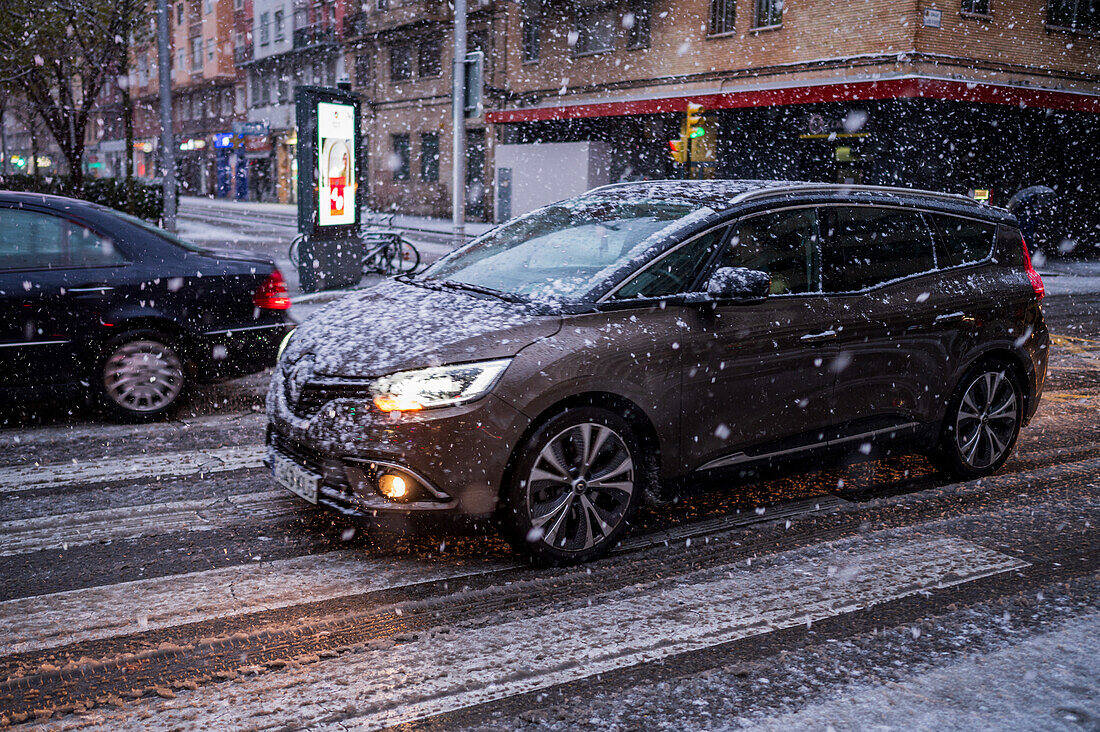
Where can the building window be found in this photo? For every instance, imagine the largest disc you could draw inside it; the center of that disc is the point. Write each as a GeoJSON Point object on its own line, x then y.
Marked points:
{"type": "Point", "coordinates": [254, 78]}
{"type": "Point", "coordinates": [284, 88]}
{"type": "Point", "coordinates": [209, 49]}
{"type": "Point", "coordinates": [429, 156]}
{"type": "Point", "coordinates": [400, 160]}
{"type": "Point", "coordinates": [238, 4]}
{"type": "Point", "coordinates": [196, 54]}
{"type": "Point", "coordinates": [1082, 15]}
{"type": "Point", "coordinates": [595, 28]}
{"type": "Point", "coordinates": [722, 16]}
{"type": "Point", "coordinates": [975, 7]}
{"type": "Point", "coordinates": [430, 62]}
{"type": "Point", "coordinates": [280, 30]}
{"type": "Point", "coordinates": [362, 70]}
{"type": "Point", "coordinates": [179, 14]}
{"type": "Point", "coordinates": [636, 22]}
{"type": "Point", "coordinates": [768, 13]}
{"type": "Point", "coordinates": [401, 63]}
{"type": "Point", "coordinates": [265, 31]}
{"type": "Point", "coordinates": [381, 4]}
{"type": "Point", "coordinates": [207, 7]}
{"type": "Point", "coordinates": [182, 59]}
{"type": "Point", "coordinates": [532, 30]}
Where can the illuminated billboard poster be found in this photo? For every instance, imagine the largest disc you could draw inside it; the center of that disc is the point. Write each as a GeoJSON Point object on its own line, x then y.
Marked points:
{"type": "Point", "coordinates": [336, 165]}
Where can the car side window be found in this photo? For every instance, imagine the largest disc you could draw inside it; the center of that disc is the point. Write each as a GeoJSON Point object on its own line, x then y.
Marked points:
{"type": "Point", "coordinates": [36, 240]}
{"type": "Point", "coordinates": [965, 240]}
{"type": "Point", "coordinates": [866, 246]}
{"type": "Point", "coordinates": [676, 271]}
{"type": "Point", "coordinates": [784, 244]}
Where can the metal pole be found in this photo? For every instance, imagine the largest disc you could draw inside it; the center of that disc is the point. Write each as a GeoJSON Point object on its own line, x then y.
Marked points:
{"type": "Point", "coordinates": [458, 123]}
{"type": "Point", "coordinates": [167, 157]}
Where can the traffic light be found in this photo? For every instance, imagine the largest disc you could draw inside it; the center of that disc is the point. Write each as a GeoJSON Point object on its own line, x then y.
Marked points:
{"type": "Point", "coordinates": [694, 126]}
{"type": "Point", "coordinates": [678, 149]}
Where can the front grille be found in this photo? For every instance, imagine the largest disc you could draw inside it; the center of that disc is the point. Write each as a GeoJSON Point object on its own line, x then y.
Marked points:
{"type": "Point", "coordinates": [316, 394]}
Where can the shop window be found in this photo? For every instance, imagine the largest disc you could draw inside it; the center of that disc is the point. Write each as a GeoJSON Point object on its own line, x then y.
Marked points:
{"type": "Point", "coordinates": [400, 160]}
{"type": "Point", "coordinates": [722, 16]}
{"type": "Point", "coordinates": [362, 70]}
{"type": "Point", "coordinates": [532, 30]}
{"type": "Point", "coordinates": [975, 7]}
{"type": "Point", "coordinates": [430, 61]}
{"type": "Point", "coordinates": [400, 62]}
{"type": "Point", "coordinates": [595, 28]}
{"type": "Point", "coordinates": [636, 22]}
{"type": "Point", "coordinates": [1081, 15]}
{"type": "Point", "coordinates": [429, 156]}
{"type": "Point", "coordinates": [768, 13]}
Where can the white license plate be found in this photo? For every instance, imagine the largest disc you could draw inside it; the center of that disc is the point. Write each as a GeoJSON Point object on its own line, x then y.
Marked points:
{"type": "Point", "coordinates": [296, 478]}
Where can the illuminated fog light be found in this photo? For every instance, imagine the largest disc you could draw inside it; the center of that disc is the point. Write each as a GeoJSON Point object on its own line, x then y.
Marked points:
{"type": "Point", "coordinates": [393, 487]}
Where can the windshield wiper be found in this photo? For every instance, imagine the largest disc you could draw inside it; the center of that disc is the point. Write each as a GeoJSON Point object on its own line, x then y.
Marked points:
{"type": "Point", "coordinates": [456, 285]}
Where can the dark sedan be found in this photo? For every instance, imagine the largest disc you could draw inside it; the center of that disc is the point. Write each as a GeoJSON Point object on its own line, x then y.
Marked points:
{"type": "Point", "coordinates": [97, 302]}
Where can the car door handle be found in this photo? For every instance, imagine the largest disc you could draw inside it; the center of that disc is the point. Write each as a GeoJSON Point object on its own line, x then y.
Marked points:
{"type": "Point", "coordinates": [816, 337]}
{"type": "Point", "coordinates": [100, 289]}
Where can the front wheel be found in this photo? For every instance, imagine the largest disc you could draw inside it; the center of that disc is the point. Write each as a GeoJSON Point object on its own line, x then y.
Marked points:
{"type": "Point", "coordinates": [982, 421]}
{"type": "Point", "coordinates": [575, 487]}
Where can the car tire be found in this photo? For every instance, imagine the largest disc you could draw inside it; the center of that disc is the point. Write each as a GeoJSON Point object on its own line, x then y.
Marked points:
{"type": "Point", "coordinates": [574, 487]}
{"type": "Point", "coordinates": [139, 376]}
{"type": "Point", "coordinates": [982, 422]}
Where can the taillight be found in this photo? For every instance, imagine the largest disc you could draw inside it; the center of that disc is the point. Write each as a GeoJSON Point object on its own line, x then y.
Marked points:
{"type": "Point", "coordinates": [1033, 276]}
{"type": "Point", "coordinates": [272, 294]}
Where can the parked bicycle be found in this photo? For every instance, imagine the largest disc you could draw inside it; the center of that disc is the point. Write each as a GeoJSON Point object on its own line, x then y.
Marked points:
{"type": "Point", "coordinates": [386, 251]}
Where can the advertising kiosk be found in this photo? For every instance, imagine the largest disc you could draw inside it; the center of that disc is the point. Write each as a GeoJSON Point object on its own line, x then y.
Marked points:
{"type": "Point", "coordinates": [329, 194]}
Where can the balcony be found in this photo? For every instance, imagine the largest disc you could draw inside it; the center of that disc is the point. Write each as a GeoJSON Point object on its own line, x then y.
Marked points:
{"type": "Point", "coordinates": [313, 36]}
{"type": "Point", "coordinates": [399, 13]}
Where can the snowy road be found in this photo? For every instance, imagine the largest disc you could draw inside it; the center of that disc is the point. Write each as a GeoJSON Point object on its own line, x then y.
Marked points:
{"type": "Point", "coordinates": [156, 578]}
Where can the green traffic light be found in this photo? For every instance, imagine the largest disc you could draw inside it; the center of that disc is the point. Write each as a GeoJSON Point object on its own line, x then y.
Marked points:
{"type": "Point", "coordinates": [697, 132]}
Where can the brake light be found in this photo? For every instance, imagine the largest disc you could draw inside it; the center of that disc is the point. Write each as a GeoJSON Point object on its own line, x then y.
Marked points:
{"type": "Point", "coordinates": [1032, 276]}
{"type": "Point", "coordinates": [272, 294]}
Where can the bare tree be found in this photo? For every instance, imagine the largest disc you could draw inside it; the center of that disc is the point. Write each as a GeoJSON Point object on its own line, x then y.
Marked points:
{"type": "Point", "coordinates": [58, 55]}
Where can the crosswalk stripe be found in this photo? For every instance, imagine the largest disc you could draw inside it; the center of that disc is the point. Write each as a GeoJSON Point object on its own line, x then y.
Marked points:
{"type": "Point", "coordinates": [48, 621]}
{"type": "Point", "coordinates": [61, 531]}
{"type": "Point", "coordinates": [453, 669]}
{"type": "Point", "coordinates": [163, 465]}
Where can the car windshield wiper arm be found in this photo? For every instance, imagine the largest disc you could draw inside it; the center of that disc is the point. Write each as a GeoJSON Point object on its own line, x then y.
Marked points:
{"type": "Point", "coordinates": [455, 285]}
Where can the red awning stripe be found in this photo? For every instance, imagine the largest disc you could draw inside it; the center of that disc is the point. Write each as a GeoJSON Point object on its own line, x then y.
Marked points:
{"type": "Point", "coordinates": [958, 91]}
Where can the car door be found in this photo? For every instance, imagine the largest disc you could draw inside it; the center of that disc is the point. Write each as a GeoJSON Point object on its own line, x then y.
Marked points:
{"type": "Point", "coordinates": [757, 376]}
{"type": "Point", "coordinates": [56, 276]}
{"type": "Point", "coordinates": [880, 267]}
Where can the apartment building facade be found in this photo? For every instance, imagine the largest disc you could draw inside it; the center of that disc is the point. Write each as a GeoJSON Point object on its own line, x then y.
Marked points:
{"type": "Point", "coordinates": [958, 95]}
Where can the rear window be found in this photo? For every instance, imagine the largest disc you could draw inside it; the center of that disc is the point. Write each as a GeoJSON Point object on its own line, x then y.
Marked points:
{"type": "Point", "coordinates": [867, 246]}
{"type": "Point", "coordinates": [965, 240]}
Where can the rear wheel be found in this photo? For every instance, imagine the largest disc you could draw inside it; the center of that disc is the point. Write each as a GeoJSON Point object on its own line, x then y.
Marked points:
{"type": "Point", "coordinates": [982, 421]}
{"type": "Point", "coordinates": [140, 377]}
{"type": "Point", "coordinates": [575, 487]}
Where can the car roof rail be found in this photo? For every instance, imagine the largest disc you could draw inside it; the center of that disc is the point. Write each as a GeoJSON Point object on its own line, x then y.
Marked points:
{"type": "Point", "coordinates": [847, 188]}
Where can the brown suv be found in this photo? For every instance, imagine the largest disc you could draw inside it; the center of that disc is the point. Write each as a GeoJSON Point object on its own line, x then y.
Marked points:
{"type": "Point", "coordinates": [551, 372]}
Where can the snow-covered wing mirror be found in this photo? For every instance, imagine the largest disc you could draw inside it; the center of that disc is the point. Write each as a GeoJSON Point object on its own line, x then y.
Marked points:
{"type": "Point", "coordinates": [739, 283]}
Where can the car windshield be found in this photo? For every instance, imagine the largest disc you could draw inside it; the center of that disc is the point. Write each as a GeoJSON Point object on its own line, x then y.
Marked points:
{"type": "Point", "coordinates": [558, 252]}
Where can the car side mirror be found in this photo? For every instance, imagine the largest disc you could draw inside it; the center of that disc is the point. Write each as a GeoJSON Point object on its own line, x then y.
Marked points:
{"type": "Point", "coordinates": [739, 284]}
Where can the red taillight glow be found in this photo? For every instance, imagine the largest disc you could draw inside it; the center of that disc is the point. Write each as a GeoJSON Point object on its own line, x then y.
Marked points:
{"type": "Point", "coordinates": [272, 294]}
{"type": "Point", "coordinates": [1032, 276]}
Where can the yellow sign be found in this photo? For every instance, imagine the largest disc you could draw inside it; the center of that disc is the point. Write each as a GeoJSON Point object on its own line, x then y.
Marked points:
{"type": "Point", "coordinates": [981, 194]}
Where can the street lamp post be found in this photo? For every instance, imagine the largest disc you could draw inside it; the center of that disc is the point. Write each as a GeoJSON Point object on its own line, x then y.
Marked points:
{"type": "Point", "coordinates": [458, 119]}
{"type": "Point", "coordinates": [167, 139]}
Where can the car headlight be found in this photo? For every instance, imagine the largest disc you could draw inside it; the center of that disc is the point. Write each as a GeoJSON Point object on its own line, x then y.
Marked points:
{"type": "Point", "coordinates": [439, 386]}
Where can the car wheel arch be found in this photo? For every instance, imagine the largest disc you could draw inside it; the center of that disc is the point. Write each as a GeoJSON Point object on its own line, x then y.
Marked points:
{"type": "Point", "coordinates": [1008, 356]}
{"type": "Point", "coordinates": [634, 415]}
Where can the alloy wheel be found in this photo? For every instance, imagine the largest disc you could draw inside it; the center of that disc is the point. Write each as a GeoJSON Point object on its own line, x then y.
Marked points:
{"type": "Point", "coordinates": [143, 376]}
{"type": "Point", "coordinates": [580, 487]}
{"type": "Point", "coordinates": [985, 423]}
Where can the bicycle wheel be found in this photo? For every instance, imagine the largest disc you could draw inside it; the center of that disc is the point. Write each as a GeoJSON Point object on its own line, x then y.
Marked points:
{"type": "Point", "coordinates": [375, 255]}
{"type": "Point", "coordinates": [402, 257]}
{"type": "Point", "coordinates": [292, 253]}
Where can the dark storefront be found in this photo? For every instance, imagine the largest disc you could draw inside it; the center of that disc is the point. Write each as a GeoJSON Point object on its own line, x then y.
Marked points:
{"type": "Point", "coordinates": [954, 146]}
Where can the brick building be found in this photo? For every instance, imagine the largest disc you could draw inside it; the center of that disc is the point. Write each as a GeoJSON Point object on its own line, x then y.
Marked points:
{"type": "Point", "coordinates": [961, 95]}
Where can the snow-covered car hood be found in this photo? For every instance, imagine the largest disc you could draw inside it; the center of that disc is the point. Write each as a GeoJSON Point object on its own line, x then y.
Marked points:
{"type": "Point", "coordinates": [397, 326]}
